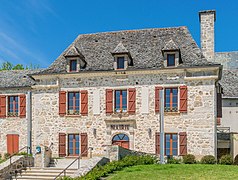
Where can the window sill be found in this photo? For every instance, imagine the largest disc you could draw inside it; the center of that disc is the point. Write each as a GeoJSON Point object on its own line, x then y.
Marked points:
{"type": "Point", "coordinates": [171, 113]}
{"type": "Point", "coordinates": [73, 115]}
{"type": "Point", "coordinates": [118, 114]}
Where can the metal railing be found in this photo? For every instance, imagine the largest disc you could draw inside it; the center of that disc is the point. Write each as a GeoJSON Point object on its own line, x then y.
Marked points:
{"type": "Point", "coordinates": [65, 169]}
{"type": "Point", "coordinates": [26, 147]}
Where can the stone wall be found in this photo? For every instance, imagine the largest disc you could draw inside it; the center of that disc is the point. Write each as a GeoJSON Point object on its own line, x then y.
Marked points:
{"type": "Point", "coordinates": [198, 122]}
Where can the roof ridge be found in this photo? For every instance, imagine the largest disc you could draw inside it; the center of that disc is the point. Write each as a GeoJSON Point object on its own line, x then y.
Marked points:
{"type": "Point", "coordinates": [134, 30]}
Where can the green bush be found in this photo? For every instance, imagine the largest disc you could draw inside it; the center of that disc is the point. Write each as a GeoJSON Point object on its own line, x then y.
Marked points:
{"type": "Point", "coordinates": [6, 155]}
{"type": "Point", "coordinates": [189, 159]}
{"type": "Point", "coordinates": [236, 160]}
{"type": "Point", "coordinates": [226, 160]}
{"type": "Point", "coordinates": [173, 160]}
{"type": "Point", "coordinates": [103, 171]}
{"type": "Point", "coordinates": [208, 159]}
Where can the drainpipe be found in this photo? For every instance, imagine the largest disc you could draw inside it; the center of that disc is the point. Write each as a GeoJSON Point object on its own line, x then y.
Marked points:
{"type": "Point", "coordinates": [161, 126]}
{"type": "Point", "coordinates": [29, 122]}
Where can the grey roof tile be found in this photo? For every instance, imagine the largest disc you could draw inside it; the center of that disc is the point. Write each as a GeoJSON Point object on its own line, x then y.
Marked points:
{"type": "Point", "coordinates": [145, 47]}
{"type": "Point", "coordinates": [229, 83]}
{"type": "Point", "coordinates": [16, 78]}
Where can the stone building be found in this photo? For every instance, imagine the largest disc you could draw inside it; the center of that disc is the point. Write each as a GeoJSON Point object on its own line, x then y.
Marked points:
{"type": "Point", "coordinates": [104, 89]}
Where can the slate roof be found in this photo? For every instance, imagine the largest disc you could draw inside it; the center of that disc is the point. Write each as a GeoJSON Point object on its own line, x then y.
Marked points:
{"type": "Point", "coordinates": [229, 83]}
{"type": "Point", "coordinates": [16, 78]}
{"type": "Point", "coordinates": [145, 47]}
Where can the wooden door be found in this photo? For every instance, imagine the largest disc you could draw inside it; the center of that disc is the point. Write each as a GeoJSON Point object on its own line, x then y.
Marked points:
{"type": "Point", "coordinates": [12, 143]}
{"type": "Point", "coordinates": [121, 140]}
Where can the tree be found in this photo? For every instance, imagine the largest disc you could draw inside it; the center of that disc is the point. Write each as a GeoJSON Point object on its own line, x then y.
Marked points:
{"type": "Point", "coordinates": [18, 67]}
{"type": "Point", "coordinates": [6, 66]}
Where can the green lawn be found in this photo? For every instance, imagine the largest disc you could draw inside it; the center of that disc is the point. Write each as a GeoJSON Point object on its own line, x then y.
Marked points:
{"type": "Point", "coordinates": [176, 171]}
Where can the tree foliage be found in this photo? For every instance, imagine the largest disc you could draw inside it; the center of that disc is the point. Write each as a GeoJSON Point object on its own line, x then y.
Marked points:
{"type": "Point", "coordinates": [9, 66]}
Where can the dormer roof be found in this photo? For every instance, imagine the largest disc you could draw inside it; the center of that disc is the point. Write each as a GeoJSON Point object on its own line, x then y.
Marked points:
{"type": "Point", "coordinates": [120, 49]}
{"type": "Point", "coordinates": [73, 52]}
{"type": "Point", "coordinates": [170, 45]}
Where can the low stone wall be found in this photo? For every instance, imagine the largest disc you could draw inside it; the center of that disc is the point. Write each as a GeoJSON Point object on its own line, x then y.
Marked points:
{"type": "Point", "coordinates": [19, 163]}
{"type": "Point", "coordinates": [43, 159]}
{"type": "Point", "coordinates": [115, 153]}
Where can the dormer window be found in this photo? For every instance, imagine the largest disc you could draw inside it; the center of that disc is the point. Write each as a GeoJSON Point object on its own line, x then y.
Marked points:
{"type": "Point", "coordinates": [120, 62]}
{"type": "Point", "coordinates": [75, 60]}
{"type": "Point", "coordinates": [170, 60]}
{"type": "Point", "coordinates": [122, 57]}
{"type": "Point", "coordinates": [73, 65]}
{"type": "Point", "coordinates": [171, 53]}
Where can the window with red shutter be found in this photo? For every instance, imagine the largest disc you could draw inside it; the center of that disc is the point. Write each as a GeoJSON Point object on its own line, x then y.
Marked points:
{"type": "Point", "coordinates": [84, 144]}
{"type": "Point", "coordinates": [84, 102]}
{"type": "Point", "coordinates": [22, 106]}
{"type": "Point", "coordinates": [2, 106]}
{"type": "Point", "coordinates": [109, 101]}
{"type": "Point", "coordinates": [131, 100]}
{"type": "Point", "coordinates": [157, 98]}
{"type": "Point", "coordinates": [73, 103]}
{"type": "Point", "coordinates": [183, 143]}
{"type": "Point", "coordinates": [62, 103]}
{"type": "Point", "coordinates": [62, 144]}
{"type": "Point", "coordinates": [183, 98]}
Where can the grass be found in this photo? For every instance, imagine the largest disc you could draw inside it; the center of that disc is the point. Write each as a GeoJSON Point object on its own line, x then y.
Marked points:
{"type": "Point", "coordinates": [176, 171]}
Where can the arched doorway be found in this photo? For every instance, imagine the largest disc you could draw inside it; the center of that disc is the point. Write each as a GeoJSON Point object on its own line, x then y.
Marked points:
{"type": "Point", "coordinates": [121, 140]}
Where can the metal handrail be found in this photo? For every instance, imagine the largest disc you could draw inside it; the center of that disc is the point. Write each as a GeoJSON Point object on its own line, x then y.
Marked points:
{"type": "Point", "coordinates": [25, 147]}
{"type": "Point", "coordinates": [64, 170]}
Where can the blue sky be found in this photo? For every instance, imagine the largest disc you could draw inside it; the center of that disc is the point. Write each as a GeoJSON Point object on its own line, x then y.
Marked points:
{"type": "Point", "coordinates": [37, 31]}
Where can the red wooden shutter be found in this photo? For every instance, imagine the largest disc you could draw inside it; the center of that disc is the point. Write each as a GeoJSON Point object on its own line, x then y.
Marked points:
{"type": "Point", "coordinates": [219, 105]}
{"type": "Point", "coordinates": [2, 106]}
{"type": "Point", "coordinates": [12, 143]}
{"type": "Point", "coordinates": [132, 100]}
{"type": "Point", "coordinates": [183, 143]}
{"type": "Point", "coordinates": [84, 102]}
{"type": "Point", "coordinates": [157, 143]}
{"type": "Point", "coordinates": [62, 144]}
{"type": "Point", "coordinates": [84, 144]}
{"type": "Point", "coordinates": [183, 98]}
{"type": "Point", "coordinates": [109, 101]}
{"type": "Point", "coordinates": [62, 103]}
{"type": "Point", "coordinates": [157, 102]}
{"type": "Point", "coordinates": [22, 106]}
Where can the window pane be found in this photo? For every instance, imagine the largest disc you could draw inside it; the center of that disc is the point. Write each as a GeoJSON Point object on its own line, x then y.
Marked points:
{"type": "Point", "coordinates": [117, 103]}
{"type": "Point", "coordinates": [124, 101]}
{"type": "Point", "coordinates": [71, 137]}
{"type": "Point", "coordinates": [70, 151]}
{"type": "Point", "coordinates": [73, 65]}
{"type": "Point", "coordinates": [167, 152]}
{"type": "Point", "coordinates": [170, 60]}
{"type": "Point", "coordinates": [77, 151]}
{"type": "Point", "coordinates": [175, 145]}
{"type": "Point", "coordinates": [174, 137]}
{"type": "Point", "coordinates": [120, 63]}
{"type": "Point", "coordinates": [175, 152]}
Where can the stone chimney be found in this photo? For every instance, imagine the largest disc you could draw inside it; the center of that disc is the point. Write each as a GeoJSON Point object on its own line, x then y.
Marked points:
{"type": "Point", "coordinates": [207, 20]}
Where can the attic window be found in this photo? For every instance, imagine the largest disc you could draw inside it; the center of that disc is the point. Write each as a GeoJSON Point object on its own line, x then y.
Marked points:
{"type": "Point", "coordinates": [120, 62]}
{"type": "Point", "coordinates": [73, 65]}
{"type": "Point", "coordinates": [170, 60]}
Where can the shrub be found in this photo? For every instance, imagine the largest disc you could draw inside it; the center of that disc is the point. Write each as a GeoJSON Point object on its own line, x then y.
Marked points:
{"type": "Point", "coordinates": [236, 160]}
{"type": "Point", "coordinates": [208, 159]}
{"type": "Point", "coordinates": [226, 160]}
{"type": "Point", "coordinates": [173, 160]}
{"type": "Point", "coordinates": [103, 171]}
{"type": "Point", "coordinates": [189, 159]}
{"type": "Point", "coordinates": [6, 155]}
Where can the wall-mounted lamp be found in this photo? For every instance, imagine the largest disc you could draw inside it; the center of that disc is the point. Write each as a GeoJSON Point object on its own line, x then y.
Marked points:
{"type": "Point", "coordinates": [94, 132]}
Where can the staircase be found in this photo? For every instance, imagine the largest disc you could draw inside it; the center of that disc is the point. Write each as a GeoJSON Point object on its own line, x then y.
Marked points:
{"type": "Point", "coordinates": [56, 166]}
{"type": "Point", "coordinates": [43, 174]}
